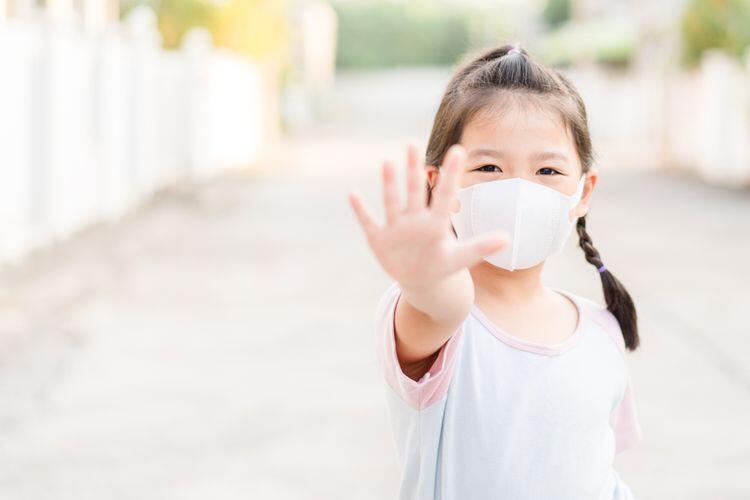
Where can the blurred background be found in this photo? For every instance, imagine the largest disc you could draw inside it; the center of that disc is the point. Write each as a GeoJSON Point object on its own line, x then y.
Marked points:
{"type": "Point", "coordinates": [187, 304]}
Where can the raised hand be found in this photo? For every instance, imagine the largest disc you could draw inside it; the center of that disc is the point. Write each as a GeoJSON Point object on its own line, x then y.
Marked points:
{"type": "Point", "coordinates": [415, 246]}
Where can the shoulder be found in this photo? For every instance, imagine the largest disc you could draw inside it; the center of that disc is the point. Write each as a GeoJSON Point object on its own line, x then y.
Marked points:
{"type": "Point", "coordinates": [602, 319]}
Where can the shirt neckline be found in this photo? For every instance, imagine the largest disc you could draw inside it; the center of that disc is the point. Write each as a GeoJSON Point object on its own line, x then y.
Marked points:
{"type": "Point", "coordinates": [525, 345]}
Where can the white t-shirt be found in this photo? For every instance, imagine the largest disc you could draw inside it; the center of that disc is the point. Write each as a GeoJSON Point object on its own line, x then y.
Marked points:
{"type": "Point", "coordinates": [497, 417]}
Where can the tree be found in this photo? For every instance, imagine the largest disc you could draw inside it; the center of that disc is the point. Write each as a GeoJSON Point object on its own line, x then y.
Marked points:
{"type": "Point", "coordinates": [715, 24]}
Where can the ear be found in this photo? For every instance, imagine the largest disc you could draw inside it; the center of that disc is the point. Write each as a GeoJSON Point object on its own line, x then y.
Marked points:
{"type": "Point", "coordinates": [432, 173]}
{"type": "Point", "coordinates": [432, 176]}
{"type": "Point", "coordinates": [592, 177]}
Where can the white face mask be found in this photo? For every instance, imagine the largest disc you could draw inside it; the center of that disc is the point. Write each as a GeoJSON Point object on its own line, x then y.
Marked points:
{"type": "Point", "coordinates": [534, 216]}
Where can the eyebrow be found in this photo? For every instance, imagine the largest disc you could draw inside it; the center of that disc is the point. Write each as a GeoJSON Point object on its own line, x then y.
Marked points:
{"type": "Point", "coordinates": [540, 156]}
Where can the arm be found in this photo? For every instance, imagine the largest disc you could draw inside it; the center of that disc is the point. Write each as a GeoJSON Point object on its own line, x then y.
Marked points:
{"type": "Point", "coordinates": [625, 422]}
{"type": "Point", "coordinates": [426, 318]}
{"type": "Point", "coordinates": [418, 390]}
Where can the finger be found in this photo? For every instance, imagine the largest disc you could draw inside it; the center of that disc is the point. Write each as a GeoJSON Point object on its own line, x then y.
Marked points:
{"type": "Point", "coordinates": [447, 181]}
{"type": "Point", "coordinates": [415, 178]}
{"type": "Point", "coordinates": [390, 193]}
{"type": "Point", "coordinates": [364, 216]}
{"type": "Point", "coordinates": [477, 248]}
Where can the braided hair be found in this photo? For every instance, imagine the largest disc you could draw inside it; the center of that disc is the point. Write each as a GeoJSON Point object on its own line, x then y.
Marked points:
{"type": "Point", "coordinates": [619, 302]}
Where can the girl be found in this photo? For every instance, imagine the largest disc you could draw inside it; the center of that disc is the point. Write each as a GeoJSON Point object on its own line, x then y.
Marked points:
{"type": "Point", "coordinates": [500, 387]}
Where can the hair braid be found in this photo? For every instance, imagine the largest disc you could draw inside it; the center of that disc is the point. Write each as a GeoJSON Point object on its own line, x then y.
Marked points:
{"type": "Point", "coordinates": [617, 297]}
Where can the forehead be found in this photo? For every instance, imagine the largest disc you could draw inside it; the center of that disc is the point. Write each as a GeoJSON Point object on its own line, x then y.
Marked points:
{"type": "Point", "coordinates": [518, 125]}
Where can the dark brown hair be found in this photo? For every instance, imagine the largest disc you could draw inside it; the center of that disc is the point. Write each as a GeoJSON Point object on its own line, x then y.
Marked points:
{"type": "Point", "coordinates": [490, 82]}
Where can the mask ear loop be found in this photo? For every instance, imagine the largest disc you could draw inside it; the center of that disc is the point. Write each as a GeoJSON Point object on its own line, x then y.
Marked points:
{"type": "Point", "coordinates": [581, 184]}
{"type": "Point", "coordinates": [601, 268]}
{"type": "Point", "coordinates": [578, 195]}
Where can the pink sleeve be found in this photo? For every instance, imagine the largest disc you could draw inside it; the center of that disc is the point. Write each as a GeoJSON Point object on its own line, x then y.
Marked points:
{"type": "Point", "coordinates": [434, 384]}
{"type": "Point", "coordinates": [624, 417]}
{"type": "Point", "coordinates": [624, 421]}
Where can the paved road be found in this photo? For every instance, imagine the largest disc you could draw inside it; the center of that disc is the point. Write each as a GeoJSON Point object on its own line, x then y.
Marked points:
{"type": "Point", "coordinates": [218, 344]}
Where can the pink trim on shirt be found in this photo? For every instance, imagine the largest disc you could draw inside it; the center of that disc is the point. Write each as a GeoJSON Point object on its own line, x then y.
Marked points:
{"type": "Point", "coordinates": [609, 324]}
{"type": "Point", "coordinates": [435, 382]}
{"type": "Point", "coordinates": [535, 347]}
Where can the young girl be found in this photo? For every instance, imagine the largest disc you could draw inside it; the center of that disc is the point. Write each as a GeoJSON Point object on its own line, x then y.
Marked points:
{"type": "Point", "coordinates": [500, 387]}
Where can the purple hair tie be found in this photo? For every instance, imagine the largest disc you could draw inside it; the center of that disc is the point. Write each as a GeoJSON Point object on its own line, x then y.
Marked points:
{"type": "Point", "coordinates": [514, 50]}
{"type": "Point", "coordinates": [601, 269]}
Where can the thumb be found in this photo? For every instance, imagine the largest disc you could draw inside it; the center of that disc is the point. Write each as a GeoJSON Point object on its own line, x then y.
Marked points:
{"type": "Point", "coordinates": [475, 249]}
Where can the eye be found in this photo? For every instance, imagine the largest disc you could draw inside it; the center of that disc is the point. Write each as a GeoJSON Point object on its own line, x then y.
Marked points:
{"type": "Point", "coordinates": [550, 170]}
{"type": "Point", "coordinates": [484, 168]}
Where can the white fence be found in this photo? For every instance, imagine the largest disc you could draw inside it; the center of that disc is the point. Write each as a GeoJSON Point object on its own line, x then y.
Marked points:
{"type": "Point", "coordinates": [93, 124]}
{"type": "Point", "coordinates": [709, 120]}
{"type": "Point", "coordinates": [625, 114]}
{"type": "Point", "coordinates": [695, 120]}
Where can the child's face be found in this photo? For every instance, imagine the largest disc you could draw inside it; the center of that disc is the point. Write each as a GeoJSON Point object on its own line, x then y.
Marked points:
{"type": "Point", "coordinates": [524, 143]}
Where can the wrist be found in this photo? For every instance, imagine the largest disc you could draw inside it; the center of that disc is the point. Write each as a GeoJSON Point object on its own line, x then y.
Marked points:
{"type": "Point", "coordinates": [446, 299]}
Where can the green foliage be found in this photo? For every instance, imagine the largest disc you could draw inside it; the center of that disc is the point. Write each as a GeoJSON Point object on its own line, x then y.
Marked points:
{"type": "Point", "coordinates": [255, 28]}
{"type": "Point", "coordinates": [609, 41]}
{"type": "Point", "coordinates": [176, 17]}
{"type": "Point", "coordinates": [381, 34]}
{"type": "Point", "coordinates": [714, 24]}
{"type": "Point", "coordinates": [556, 12]}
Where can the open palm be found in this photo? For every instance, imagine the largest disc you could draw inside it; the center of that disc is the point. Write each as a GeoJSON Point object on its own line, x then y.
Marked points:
{"type": "Point", "coordinates": [415, 245]}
